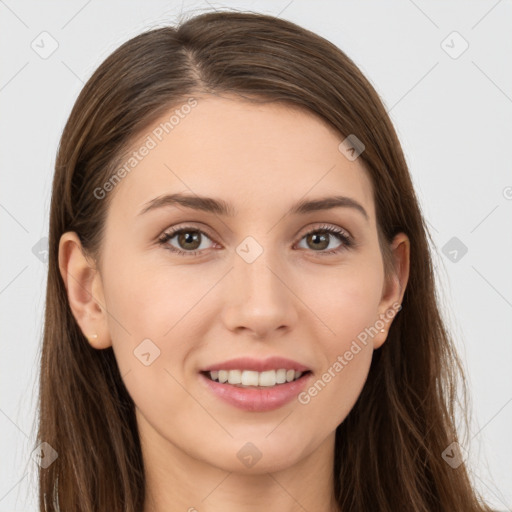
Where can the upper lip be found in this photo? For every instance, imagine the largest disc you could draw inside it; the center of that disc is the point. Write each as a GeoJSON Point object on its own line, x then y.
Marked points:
{"type": "Point", "coordinates": [258, 365]}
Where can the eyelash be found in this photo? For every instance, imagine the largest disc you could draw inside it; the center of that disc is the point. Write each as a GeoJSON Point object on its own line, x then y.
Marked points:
{"type": "Point", "coordinates": [341, 234]}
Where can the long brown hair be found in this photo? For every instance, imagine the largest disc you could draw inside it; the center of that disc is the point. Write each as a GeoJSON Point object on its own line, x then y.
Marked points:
{"type": "Point", "coordinates": [388, 451]}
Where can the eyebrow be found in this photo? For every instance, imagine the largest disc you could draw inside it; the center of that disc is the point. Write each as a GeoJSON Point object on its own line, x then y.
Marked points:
{"type": "Point", "coordinates": [221, 207]}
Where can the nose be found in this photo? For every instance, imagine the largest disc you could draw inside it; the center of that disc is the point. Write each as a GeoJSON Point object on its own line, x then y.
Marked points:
{"type": "Point", "coordinates": [259, 297]}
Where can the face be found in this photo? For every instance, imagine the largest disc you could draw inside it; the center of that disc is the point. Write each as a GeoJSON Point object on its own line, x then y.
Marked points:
{"type": "Point", "coordinates": [258, 281]}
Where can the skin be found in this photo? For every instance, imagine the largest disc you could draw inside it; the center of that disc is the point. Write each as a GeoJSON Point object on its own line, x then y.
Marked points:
{"type": "Point", "coordinates": [199, 310]}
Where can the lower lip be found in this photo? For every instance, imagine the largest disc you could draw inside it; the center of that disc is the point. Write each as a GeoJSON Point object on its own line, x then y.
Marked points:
{"type": "Point", "coordinates": [257, 400]}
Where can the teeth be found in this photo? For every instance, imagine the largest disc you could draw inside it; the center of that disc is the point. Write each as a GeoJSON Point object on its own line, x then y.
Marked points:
{"type": "Point", "coordinates": [281, 376]}
{"type": "Point", "coordinates": [248, 378]}
{"type": "Point", "coordinates": [251, 378]}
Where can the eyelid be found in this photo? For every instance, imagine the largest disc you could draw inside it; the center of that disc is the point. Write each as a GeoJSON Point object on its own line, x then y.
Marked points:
{"type": "Point", "coordinates": [187, 225]}
{"type": "Point", "coordinates": [325, 225]}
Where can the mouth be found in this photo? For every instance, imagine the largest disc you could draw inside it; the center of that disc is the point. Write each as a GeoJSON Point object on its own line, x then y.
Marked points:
{"type": "Point", "coordinates": [256, 380]}
{"type": "Point", "coordinates": [256, 385]}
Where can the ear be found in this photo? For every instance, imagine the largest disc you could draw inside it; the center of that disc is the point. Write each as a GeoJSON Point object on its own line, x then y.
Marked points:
{"type": "Point", "coordinates": [84, 290]}
{"type": "Point", "coordinates": [394, 287]}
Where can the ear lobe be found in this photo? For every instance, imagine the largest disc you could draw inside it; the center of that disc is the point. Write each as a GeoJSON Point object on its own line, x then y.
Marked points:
{"type": "Point", "coordinates": [394, 287]}
{"type": "Point", "coordinates": [84, 290]}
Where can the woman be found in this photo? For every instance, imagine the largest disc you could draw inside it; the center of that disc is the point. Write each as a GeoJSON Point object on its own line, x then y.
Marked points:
{"type": "Point", "coordinates": [294, 356]}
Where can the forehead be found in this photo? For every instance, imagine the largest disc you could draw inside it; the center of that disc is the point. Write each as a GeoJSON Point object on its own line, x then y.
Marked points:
{"type": "Point", "coordinates": [252, 155]}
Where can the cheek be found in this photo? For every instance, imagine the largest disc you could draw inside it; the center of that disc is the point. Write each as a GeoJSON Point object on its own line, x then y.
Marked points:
{"type": "Point", "coordinates": [337, 387]}
{"type": "Point", "coordinates": [346, 302]}
{"type": "Point", "coordinates": [150, 298]}
{"type": "Point", "coordinates": [151, 309]}
{"type": "Point", "coordinates": [345, 299]}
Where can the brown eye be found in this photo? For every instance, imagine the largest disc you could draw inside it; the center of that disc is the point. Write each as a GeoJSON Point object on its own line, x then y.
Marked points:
{"type": "Point", "coordinates": [319, 239]}
{"type": "Point", "coordinates": [188, 240]}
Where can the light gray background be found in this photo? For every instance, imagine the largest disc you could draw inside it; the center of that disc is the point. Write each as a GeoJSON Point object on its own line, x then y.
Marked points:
{"type": "Point", "coordinates": [453, 116]}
